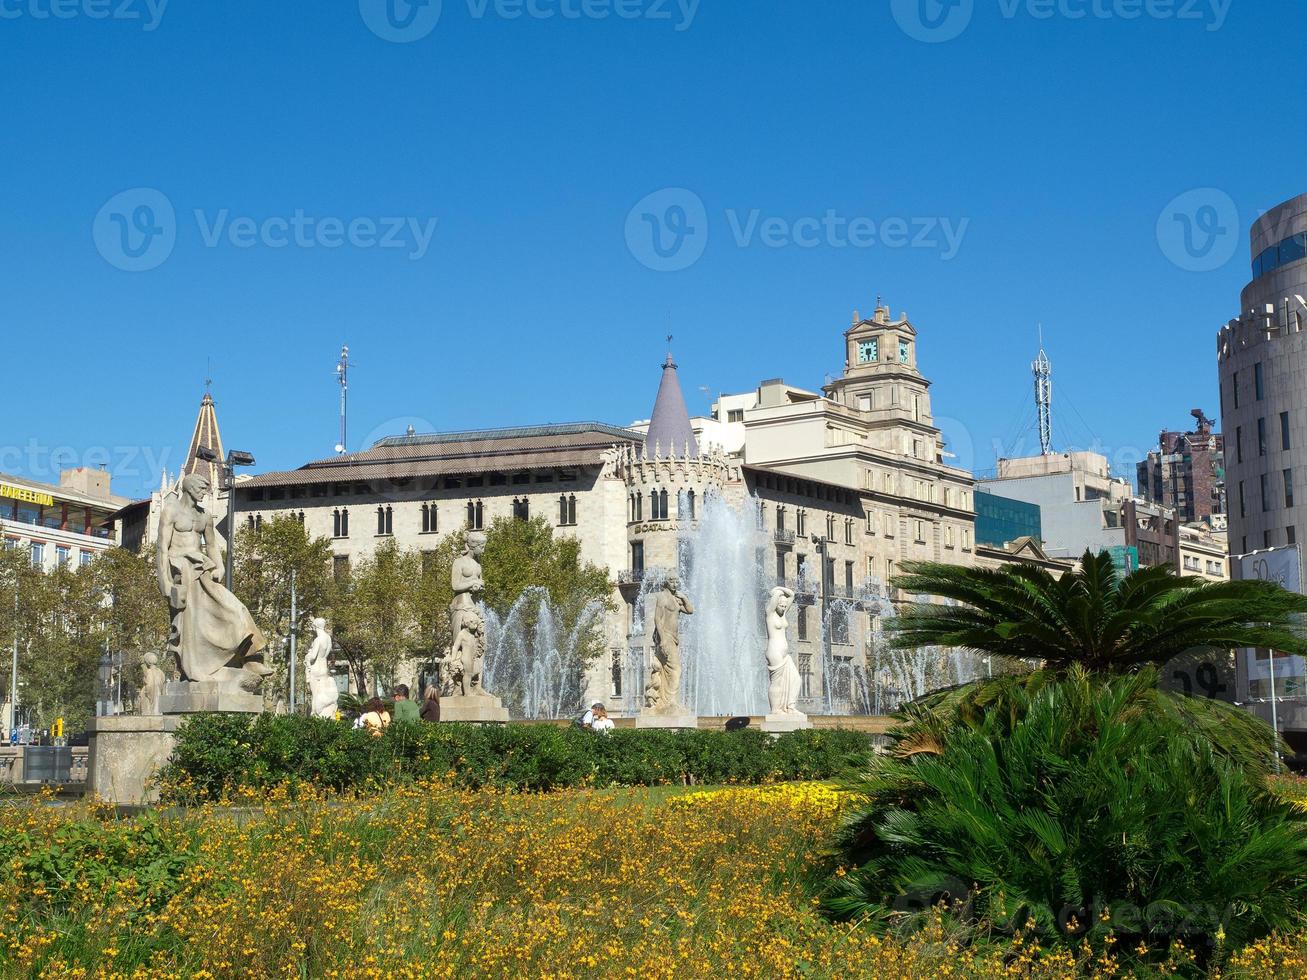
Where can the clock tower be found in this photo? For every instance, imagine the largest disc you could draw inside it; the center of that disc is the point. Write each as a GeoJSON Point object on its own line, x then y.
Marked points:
{"type": "Point", "coordinates": [880, 370]}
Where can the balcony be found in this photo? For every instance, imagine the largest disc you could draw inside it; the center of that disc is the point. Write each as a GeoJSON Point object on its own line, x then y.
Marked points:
{"type": "Point", "coordinates": [630, 576]}
{"type": "Point", "coordinates": [782, 536]}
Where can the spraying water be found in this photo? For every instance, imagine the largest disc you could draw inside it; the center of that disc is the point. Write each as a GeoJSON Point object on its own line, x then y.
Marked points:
{"type": "Point", "coordinates": [537, 670]}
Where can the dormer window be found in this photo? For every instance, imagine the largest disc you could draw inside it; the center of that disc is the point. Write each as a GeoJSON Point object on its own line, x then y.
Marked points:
{"type": "Point", "coordinates": [868, 351]}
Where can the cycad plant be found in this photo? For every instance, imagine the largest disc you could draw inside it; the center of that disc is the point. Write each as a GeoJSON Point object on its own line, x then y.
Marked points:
{"type": "Point", "coordinates": [1078, 797]}
{"type": "Point", "coordinates": [1087, 809]}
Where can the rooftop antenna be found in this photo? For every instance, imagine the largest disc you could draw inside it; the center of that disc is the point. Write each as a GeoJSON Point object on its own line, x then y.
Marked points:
{"type": "Point", "coordinates": [342, 379]}
{"type": "Point", "coordinates": [1042, 369]}
{"type": "Point", "coordinates": [208, 374]}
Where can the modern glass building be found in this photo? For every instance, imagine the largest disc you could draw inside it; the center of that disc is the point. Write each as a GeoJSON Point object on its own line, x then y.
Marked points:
{"type": "Point", "coordinates": [1002, 519]}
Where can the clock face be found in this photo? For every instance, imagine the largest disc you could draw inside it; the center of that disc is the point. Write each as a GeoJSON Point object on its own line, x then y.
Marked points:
{"type": "Point", "coordinates": [868, 351]}
{"type": "Point", "coordinates": [903, 352]}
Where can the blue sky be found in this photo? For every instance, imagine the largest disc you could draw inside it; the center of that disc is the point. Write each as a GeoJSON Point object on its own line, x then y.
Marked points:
{"type": "Point", "coordinates": [1028, 161]}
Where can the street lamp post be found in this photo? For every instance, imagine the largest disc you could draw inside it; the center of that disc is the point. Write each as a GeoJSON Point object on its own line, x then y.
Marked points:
{"type": "Point", "coordinates": [227, 468]}
{"type": "Point", "coordinates": [820, 543]}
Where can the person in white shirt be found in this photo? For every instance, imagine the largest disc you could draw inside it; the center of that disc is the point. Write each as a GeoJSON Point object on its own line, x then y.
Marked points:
{"type": "Point", "coordinates": [587, 720]}
{"type": "Point", "coordinates": [601, 721]}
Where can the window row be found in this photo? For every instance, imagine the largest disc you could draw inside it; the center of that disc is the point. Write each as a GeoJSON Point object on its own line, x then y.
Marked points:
{"type": "Point", "coordinates": [364, 489]}
{"type": "Point", "coordinates": [659, 506]}
{"type": "Point", "coordinates": [474, 519]}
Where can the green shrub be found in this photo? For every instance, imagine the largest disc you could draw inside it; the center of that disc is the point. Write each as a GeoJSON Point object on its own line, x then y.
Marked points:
{"type": "Point", "coordinates": [217, 754]}
{"type": "Point", "coordinates": [1078, 809]}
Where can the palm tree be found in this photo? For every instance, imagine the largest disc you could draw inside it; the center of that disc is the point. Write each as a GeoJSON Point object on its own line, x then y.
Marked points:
{"type": "Point", "coordinates": [1093, 617]}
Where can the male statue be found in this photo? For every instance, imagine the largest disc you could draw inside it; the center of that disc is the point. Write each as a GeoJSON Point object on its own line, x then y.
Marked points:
{"type": "Point", "coordinates": [322, 686]}
{"type": "Point", "coordinates": [663, 691]}
{"type": "Point", "coordinates": [213, 636]}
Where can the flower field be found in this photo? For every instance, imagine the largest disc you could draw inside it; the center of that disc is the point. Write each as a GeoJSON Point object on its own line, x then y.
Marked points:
{"type": "Point", "coordinates": [432, 881]}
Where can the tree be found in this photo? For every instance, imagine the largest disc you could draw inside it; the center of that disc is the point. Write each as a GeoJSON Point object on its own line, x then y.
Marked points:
{"type": "Point", "coordinates": [135, 617]}
{"type": "Point", "coordinates": [1092, 616]}
{"type": "Point", "coordinates": [60, 655]}
{"type": "Point", "coordinates": [374, 613]}
{"type": "Point", "coordinates": [266, 556]}
{"type": "Point", "coordinates": [20, 592]}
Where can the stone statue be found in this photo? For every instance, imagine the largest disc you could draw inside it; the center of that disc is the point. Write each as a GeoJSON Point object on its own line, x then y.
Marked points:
{"type": "Point", "coordinates": [465, 577]}
{"type": "Point", "coordinates": [662, 693]}
{"type": "Point", "coordinates": [323, 692]}
{"type": "Point", "coordinates": [213, 636]}
{"type": "Point", "coordinates": [467, 656]}
{"type": "Point", "coordinates": [784, 683]}
{"type": "Point", "coordinates": [152, 681]}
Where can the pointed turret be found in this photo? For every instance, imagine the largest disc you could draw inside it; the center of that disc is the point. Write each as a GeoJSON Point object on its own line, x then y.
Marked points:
{"type": "Point", "coordinates": [206, 434]}
{"type": "Point", "coordinates": [669, 426]}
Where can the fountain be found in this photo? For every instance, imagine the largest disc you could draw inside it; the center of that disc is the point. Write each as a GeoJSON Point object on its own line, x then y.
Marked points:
{"type": "Point", "coordinates": [535, 666]}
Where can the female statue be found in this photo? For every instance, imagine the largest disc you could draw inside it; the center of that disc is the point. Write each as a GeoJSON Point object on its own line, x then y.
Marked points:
{"type": "Point", "coordinates": [784, 682]}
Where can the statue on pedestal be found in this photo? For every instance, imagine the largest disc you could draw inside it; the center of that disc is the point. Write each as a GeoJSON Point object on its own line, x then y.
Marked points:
{"type": "Point", "coordinates": [466, 579]}
{"type": "Point", "coordinates": [662, 694]}
{"type": "Point", "coordinates": [323, 692]}
{"type": "Point", "coordinates": [466, 659]}
{"type": "Point", "coordinates": [213, 636]}
{"type": "Point", "coordinates": [784, 683]}
{"type": "Point", "coordinates": [152, 681]}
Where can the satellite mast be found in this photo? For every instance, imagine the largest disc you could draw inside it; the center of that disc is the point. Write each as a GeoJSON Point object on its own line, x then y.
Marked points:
{"type": "Point", "coordinates": [342, 378]}
{"type": "Point", "coordinates": [1042, 369]}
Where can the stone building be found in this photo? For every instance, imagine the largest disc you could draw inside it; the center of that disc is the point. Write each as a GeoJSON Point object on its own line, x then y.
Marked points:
{"type": "Point", "coordinates": [1186, 472]}
{"type": "Point", "coordinates": [1262, 365]}
{"type": "Point", "coordinates": [840, 486]}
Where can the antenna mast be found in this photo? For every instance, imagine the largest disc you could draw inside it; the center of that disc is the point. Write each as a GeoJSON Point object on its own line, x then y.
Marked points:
{"type": "Point", "coordinates": [342, 378]}
{"type": "Point", "coordinates": [1042, 369]}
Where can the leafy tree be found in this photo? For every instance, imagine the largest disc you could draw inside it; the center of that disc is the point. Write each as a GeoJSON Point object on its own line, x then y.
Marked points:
{"type": "Point", "coordinates": [266, 556]}
{"type": "Point", "coordinates": [1092, 616]}
{"type": "Point", "coordinates": [375, 615]}
{"type": "Point", "coordinates": [60, 655]}
{"type": "Point", "coordinates": [20, 595]}
{"type": "Point", "coordinates": [134, 619]}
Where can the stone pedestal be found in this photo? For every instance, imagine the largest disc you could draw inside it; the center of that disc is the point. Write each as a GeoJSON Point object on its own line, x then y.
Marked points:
{"type": "Point", "coordinates": [185, 698]}
{"type": "Point", "coordinates": [477, 707]}
{"type": "Point", "coordinates": [683, 718]}
{"type": "Point", "coordinates": [125, 755]}
{"type": "Point", "coordinates": [790, 721]}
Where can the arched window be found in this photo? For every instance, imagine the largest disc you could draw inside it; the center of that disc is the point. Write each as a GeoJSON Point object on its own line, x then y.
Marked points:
{"type": "Point", "coordinates": [521, 509]}
{"type": "Point", "coordinates": [474, 515]}
{"type": "Point", "coordinates": [340, 523]}
{"type": "Point", "coordinates": [689, 503]}
{"type": "Point", "coordinates": [385, 521]}
{"type": "Point", "coordinates": [429, 525]}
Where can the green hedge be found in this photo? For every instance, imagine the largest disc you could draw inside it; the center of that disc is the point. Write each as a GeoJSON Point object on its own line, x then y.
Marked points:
{"type": "Point", "coordinates": [216, 754]}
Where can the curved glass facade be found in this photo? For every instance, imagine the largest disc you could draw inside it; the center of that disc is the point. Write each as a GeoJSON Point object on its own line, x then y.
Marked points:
{"type": "Point", "coordinates": [1289, 250]}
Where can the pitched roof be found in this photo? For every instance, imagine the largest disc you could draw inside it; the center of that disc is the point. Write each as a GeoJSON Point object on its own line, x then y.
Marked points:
{"type": "Point", "coordinates": [206, 434]}
{"type": "Point", "coordinates": [538, 447]}
{"type": "Point", "coordinates": [670, 430]}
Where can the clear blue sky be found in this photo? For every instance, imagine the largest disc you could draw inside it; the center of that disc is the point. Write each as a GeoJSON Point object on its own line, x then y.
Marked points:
{"type": "Point", "coordinates": [1052, 143]}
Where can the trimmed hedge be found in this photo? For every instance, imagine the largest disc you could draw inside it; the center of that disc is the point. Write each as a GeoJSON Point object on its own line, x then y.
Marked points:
{"type": "Point", "coordinates": [217, 754]}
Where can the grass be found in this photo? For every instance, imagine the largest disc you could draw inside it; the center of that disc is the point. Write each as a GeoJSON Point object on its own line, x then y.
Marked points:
{"type": "Point", "coordinates": [430, 881]}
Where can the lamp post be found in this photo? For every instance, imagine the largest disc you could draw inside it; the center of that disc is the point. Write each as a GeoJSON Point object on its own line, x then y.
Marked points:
{"type": "Point", "coordinates": [227, 468]}
{"type": "Point", "coordinates": [820, 543]}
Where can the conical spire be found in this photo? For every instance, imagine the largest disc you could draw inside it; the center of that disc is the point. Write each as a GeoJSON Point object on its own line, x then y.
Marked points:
{"type": "Point", "coordinates": [670, 424]}
{"type": "Point", "coordinates": [206, 434]}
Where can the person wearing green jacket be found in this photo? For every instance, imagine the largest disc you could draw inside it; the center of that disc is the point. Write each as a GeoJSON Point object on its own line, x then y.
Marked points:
{"type": "Point", "coordinates": [405, 710]}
